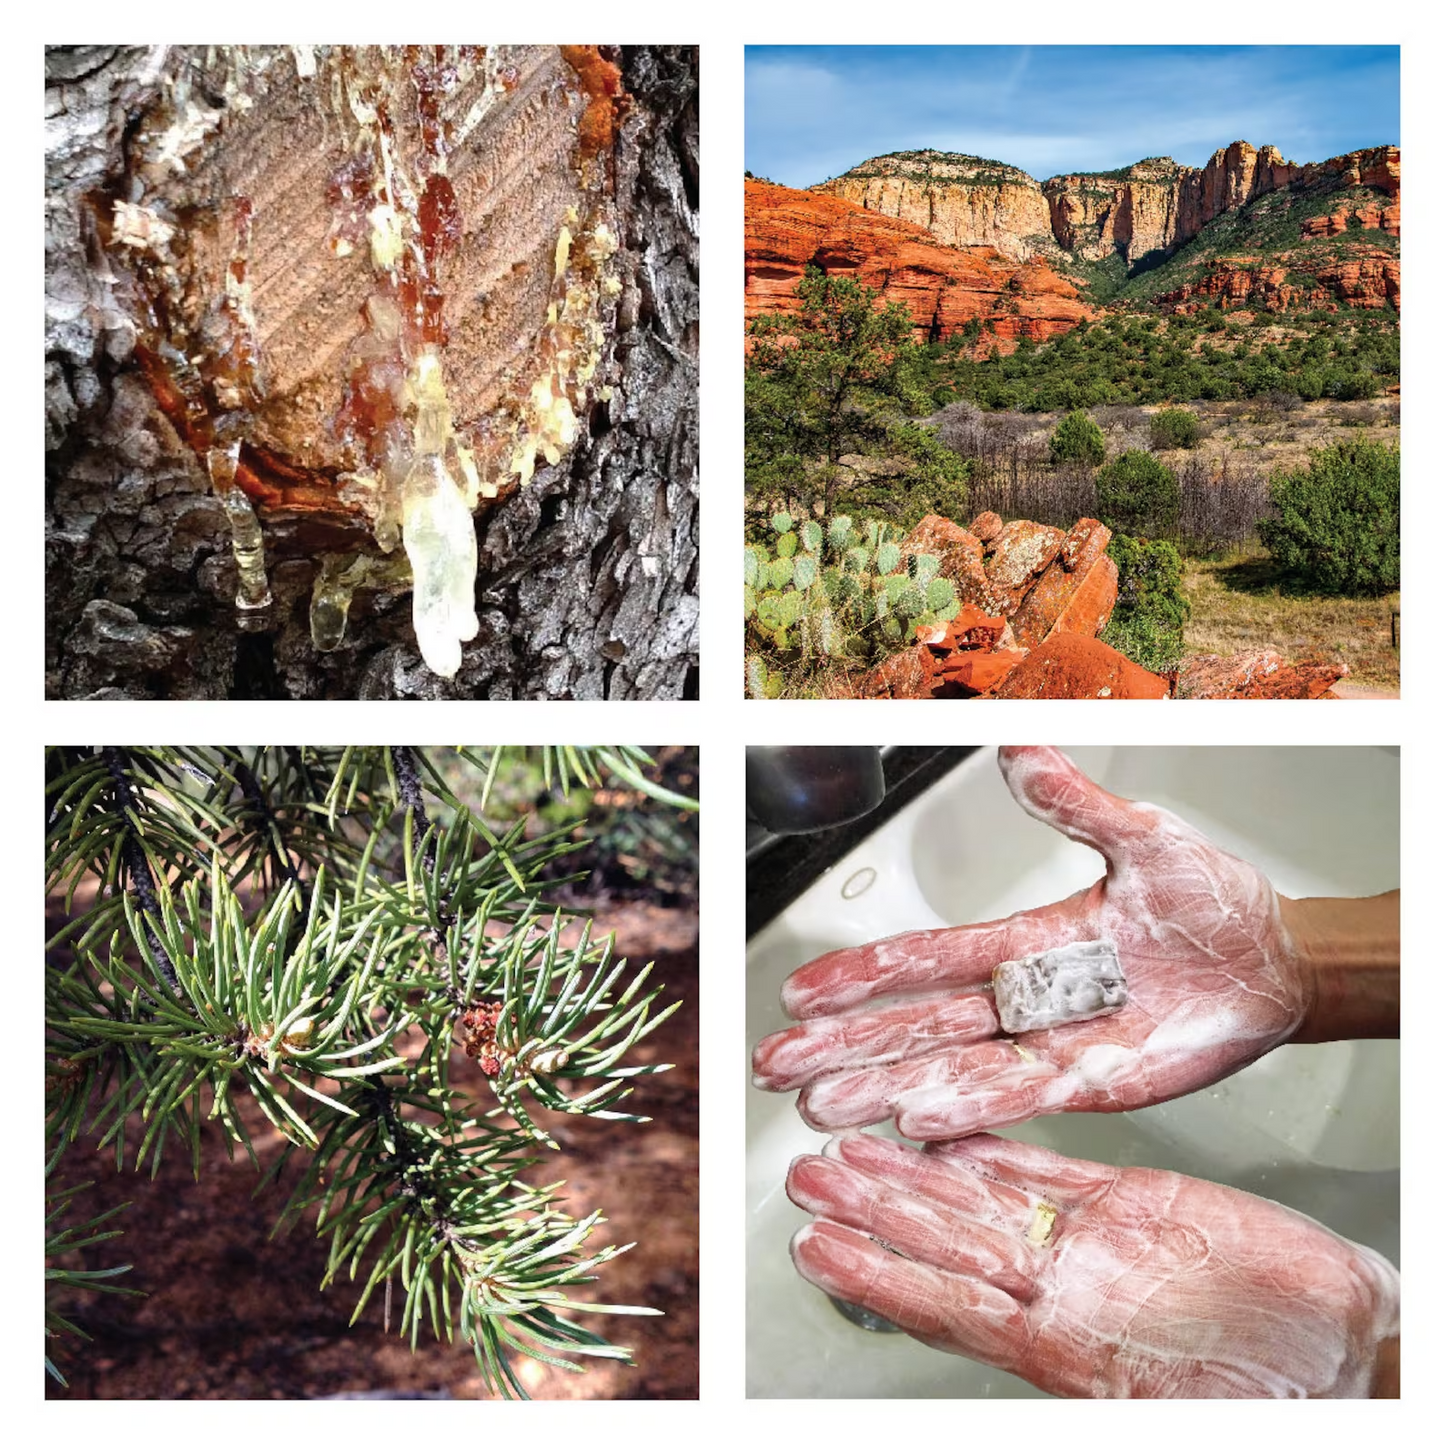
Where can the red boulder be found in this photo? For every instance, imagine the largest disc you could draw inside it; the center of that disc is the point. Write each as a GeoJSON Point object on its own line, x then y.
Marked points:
{"type": "Point", "coordinates": [1256, 674]}
{"type": "Point", "coordinates": [903, 675]}
{"type": "Point", "coordinates": [1070, 666]}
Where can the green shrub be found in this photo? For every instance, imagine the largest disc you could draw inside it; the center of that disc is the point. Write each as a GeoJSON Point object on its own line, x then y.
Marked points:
{"type": "Point", "coordinates": [1138, 495]}
{"type": "Point", "coordinates": [1173, 427]}
{"type": "Point", "coordinates": [1338, 528]}
{"type": "Point", "coordinates": [1148, 620]}
{"type": "Point", "coordinates": [1077, 439]}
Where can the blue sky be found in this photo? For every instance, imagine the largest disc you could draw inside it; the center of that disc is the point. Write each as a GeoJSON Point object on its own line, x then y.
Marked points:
{"type": "Point", "coordinates": [814, 111]}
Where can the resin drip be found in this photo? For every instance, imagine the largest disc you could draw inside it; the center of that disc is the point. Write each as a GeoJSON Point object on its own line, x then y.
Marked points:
{"type": "Point", "coordinates": [339, 578]}
{"type": "Point", "coordinates": [438, 531]}
{"type": "Point", "coordinates": [420, 482]}
{"type": "Point", "coordinates": [469, 215]}
{"type": "Point", "coordinates": [253, 592]}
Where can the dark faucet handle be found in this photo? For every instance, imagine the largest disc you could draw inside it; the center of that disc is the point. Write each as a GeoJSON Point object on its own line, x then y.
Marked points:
{"type": "Point", "coordinates": [804, 790]}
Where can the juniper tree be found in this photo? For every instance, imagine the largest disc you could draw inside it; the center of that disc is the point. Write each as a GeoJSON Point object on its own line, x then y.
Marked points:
{"type": "Point", "coordinates": [334, 932]}
{"type": "Point", "coordinates": [839, 377]}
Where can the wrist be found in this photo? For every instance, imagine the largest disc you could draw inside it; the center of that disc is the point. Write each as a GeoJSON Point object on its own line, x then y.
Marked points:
{"type": "Point", "coordinates": [1385, 1385]}
{"type": "Point", "coordinates": [1348, 954]}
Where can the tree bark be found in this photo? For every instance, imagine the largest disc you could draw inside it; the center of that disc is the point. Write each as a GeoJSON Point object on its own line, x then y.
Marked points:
{"type": "Point", "coordinates": [587, 584]}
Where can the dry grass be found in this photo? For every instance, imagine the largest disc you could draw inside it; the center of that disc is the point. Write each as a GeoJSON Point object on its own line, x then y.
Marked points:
{"type": "Point", "coordinates": [1224, 479]}
{"type": "Point", "coordinates": [1238, 606]}
{"type": "Point", "coordinates": [1255, 434]}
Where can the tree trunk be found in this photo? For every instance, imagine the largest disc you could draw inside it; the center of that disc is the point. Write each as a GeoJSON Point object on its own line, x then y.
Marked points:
{"type": "Point", "coordinates": [157, 363]}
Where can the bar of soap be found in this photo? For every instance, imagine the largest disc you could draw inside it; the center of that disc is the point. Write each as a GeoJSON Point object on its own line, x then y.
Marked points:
{"type": "Point", "coordinates": [1059, 986]}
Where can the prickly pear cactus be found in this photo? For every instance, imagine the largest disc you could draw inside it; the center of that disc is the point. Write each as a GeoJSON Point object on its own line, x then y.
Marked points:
{"type": "Point", "coordinates": [838, 595]}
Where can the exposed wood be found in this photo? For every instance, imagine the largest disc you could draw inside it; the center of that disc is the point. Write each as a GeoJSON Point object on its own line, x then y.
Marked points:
{"type": "Point", "coordinates": [588, 576]}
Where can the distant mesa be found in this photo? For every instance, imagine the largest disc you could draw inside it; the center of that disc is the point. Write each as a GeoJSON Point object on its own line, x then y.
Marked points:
{"type": "Point", "coordinates": [961, 238]}
{"type": "Point", "coordinates": [1152, 205]}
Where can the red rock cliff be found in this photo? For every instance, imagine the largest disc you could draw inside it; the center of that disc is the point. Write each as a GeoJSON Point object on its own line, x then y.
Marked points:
{"type": "Point", "coordinates": [1367, 277]}
{"type": "Point", "coordinates": [962, 200]}
{"type": "Point", "coordinates": [1153, 205]}
{"type": "Point", "coordinates": [943, 287]}
{"type": "Point", "coordinates": [1158, 205]}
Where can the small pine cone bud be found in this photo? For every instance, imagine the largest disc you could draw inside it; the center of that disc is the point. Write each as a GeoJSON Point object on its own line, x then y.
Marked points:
{"type": "Point", "coordinates": [479, 1026]}
{"type": "Point", "coordinates": [298, 1036]}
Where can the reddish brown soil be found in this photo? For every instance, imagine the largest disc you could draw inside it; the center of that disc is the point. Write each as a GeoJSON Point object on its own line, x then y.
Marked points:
{"type": "Point", "coordinates": [231, 1313]}
{"type": "Point", "coordinates": [1068, 665]}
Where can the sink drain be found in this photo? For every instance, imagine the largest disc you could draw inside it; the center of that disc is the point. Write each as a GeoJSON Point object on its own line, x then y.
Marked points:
{"type": "Point", "coordinates": [864, 1319]}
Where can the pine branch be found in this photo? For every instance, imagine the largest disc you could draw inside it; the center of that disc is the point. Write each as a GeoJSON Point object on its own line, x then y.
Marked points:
{"type": "Point", "coordinates": [68, 1240]}
{"type": "Point", "coordinates": [136, 866]}
{"type": "Point", "coordinates": [355, 931]}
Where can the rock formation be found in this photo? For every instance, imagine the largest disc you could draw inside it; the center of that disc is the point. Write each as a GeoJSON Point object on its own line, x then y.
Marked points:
{"type": "Point", "coordinates": [1256, 674]}
{"type": "Point", "coordinates": [1153, 205]}
{"type": "Point", "coordinates": [1070, 666]}
{"type": "Point", "coordinates": [1366, 277]}
{"type": "Point", "coordinates": [962, 200]}
{"type": "Point", "coordinates": [1034, 603]}
{"type": "Point", "coordinates": [943, 288]}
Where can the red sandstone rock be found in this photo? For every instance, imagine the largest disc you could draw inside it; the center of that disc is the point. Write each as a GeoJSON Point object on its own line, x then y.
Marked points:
{"type": "Point", "coordinates": [1085, 544]}
{"type": "Point", "coordinates": [1088, 611]}
{"type": "Point", "coordinates": [1070, 666]}
{"type": "Point", "coordinates": [1077, 591]}
{"type": "Point", "coordinates": [945, 539]}
{"type": "Point", "coordinates": [906, 674]}
{"type": "Point", "coordinates": [986, 526]}
{"type": "Point", "coordinates": [971, 629]}
{"type": "Point", "coordinates": [959, 553]}
{"type": "Point", "coordinates": [975, 674]}
{"type": "Point", "coordinates": [1371, 218]}
{"type": "Point", "coordinates": [942, 287]}
{"type": "Point", "coordinates": [1021, 553]}
{"type": "Point", "coordinates": [1062, 601]}
{"type": "Point", "coordinates": [1256, 674]}
{"type": "Point", "coordinates": [1368, 277]}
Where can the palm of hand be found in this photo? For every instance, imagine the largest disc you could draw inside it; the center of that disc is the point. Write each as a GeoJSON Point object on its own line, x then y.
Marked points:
{"type": "Point", "coordinates": [1212, 979]}
{"type": "Point", "coordinates": [1211, 976]}
{"type": "Point", "coordinates": [1143, 1284]}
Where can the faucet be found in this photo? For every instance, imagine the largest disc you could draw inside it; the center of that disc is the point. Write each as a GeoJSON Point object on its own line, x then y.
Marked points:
{"type": "Point", "coordinates": [805, 790]}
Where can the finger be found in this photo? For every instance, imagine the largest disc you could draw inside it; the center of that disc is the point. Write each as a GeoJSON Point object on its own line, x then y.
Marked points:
{"type": "Point", "coordinates": [930, 959]}
{"type": "Point", "coordinates": [915, 1227]}
{"type": "Point", "coordinates": [797, 1056]}
{"type": "Point", "coordinates": [918, 1171]}
{"type": "Point", "coordinates": [1027, 1167]}
{"type": "Point", "coordinates": [1052, 788]}
{"type": "Point", "coordinates": [1018, 1093]}
{"type": "Point", "coordinates": [952, 1312]}
{"type": "Point", "coordinates": [934, 1092]}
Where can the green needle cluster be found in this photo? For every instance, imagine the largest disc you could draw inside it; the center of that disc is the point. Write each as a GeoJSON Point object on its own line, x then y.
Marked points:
{"type": "Point", "coordinates": [321, 929]}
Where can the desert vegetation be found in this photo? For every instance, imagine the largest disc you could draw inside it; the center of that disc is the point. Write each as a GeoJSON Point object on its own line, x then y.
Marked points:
{"type": "Point", "coordinates": [1247, 465]}
{"type": "Point", "coordinates": [1142, 358]}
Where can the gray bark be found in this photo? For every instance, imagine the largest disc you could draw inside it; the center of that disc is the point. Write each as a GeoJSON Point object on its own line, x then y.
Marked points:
{"type": "Point", "coordinates": [588, 584]}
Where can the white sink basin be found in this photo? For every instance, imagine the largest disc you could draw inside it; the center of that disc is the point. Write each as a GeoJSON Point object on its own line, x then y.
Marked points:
{"type": "Point", "coordinates": [1316, 1127]}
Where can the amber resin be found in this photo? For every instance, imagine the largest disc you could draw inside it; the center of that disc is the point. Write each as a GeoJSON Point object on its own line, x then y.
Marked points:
{"type": "Point", "coordinates": [436, 335]}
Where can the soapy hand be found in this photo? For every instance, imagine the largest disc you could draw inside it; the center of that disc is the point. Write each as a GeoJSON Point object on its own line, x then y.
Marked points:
{"type": "Point", "coordinates": [1091, 1281]}
{"type": "Point", "coordinates": [904, 1027]}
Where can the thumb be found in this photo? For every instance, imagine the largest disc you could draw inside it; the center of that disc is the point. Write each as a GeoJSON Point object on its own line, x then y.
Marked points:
{"type": "Point", "coordinates": [1050, 787]}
